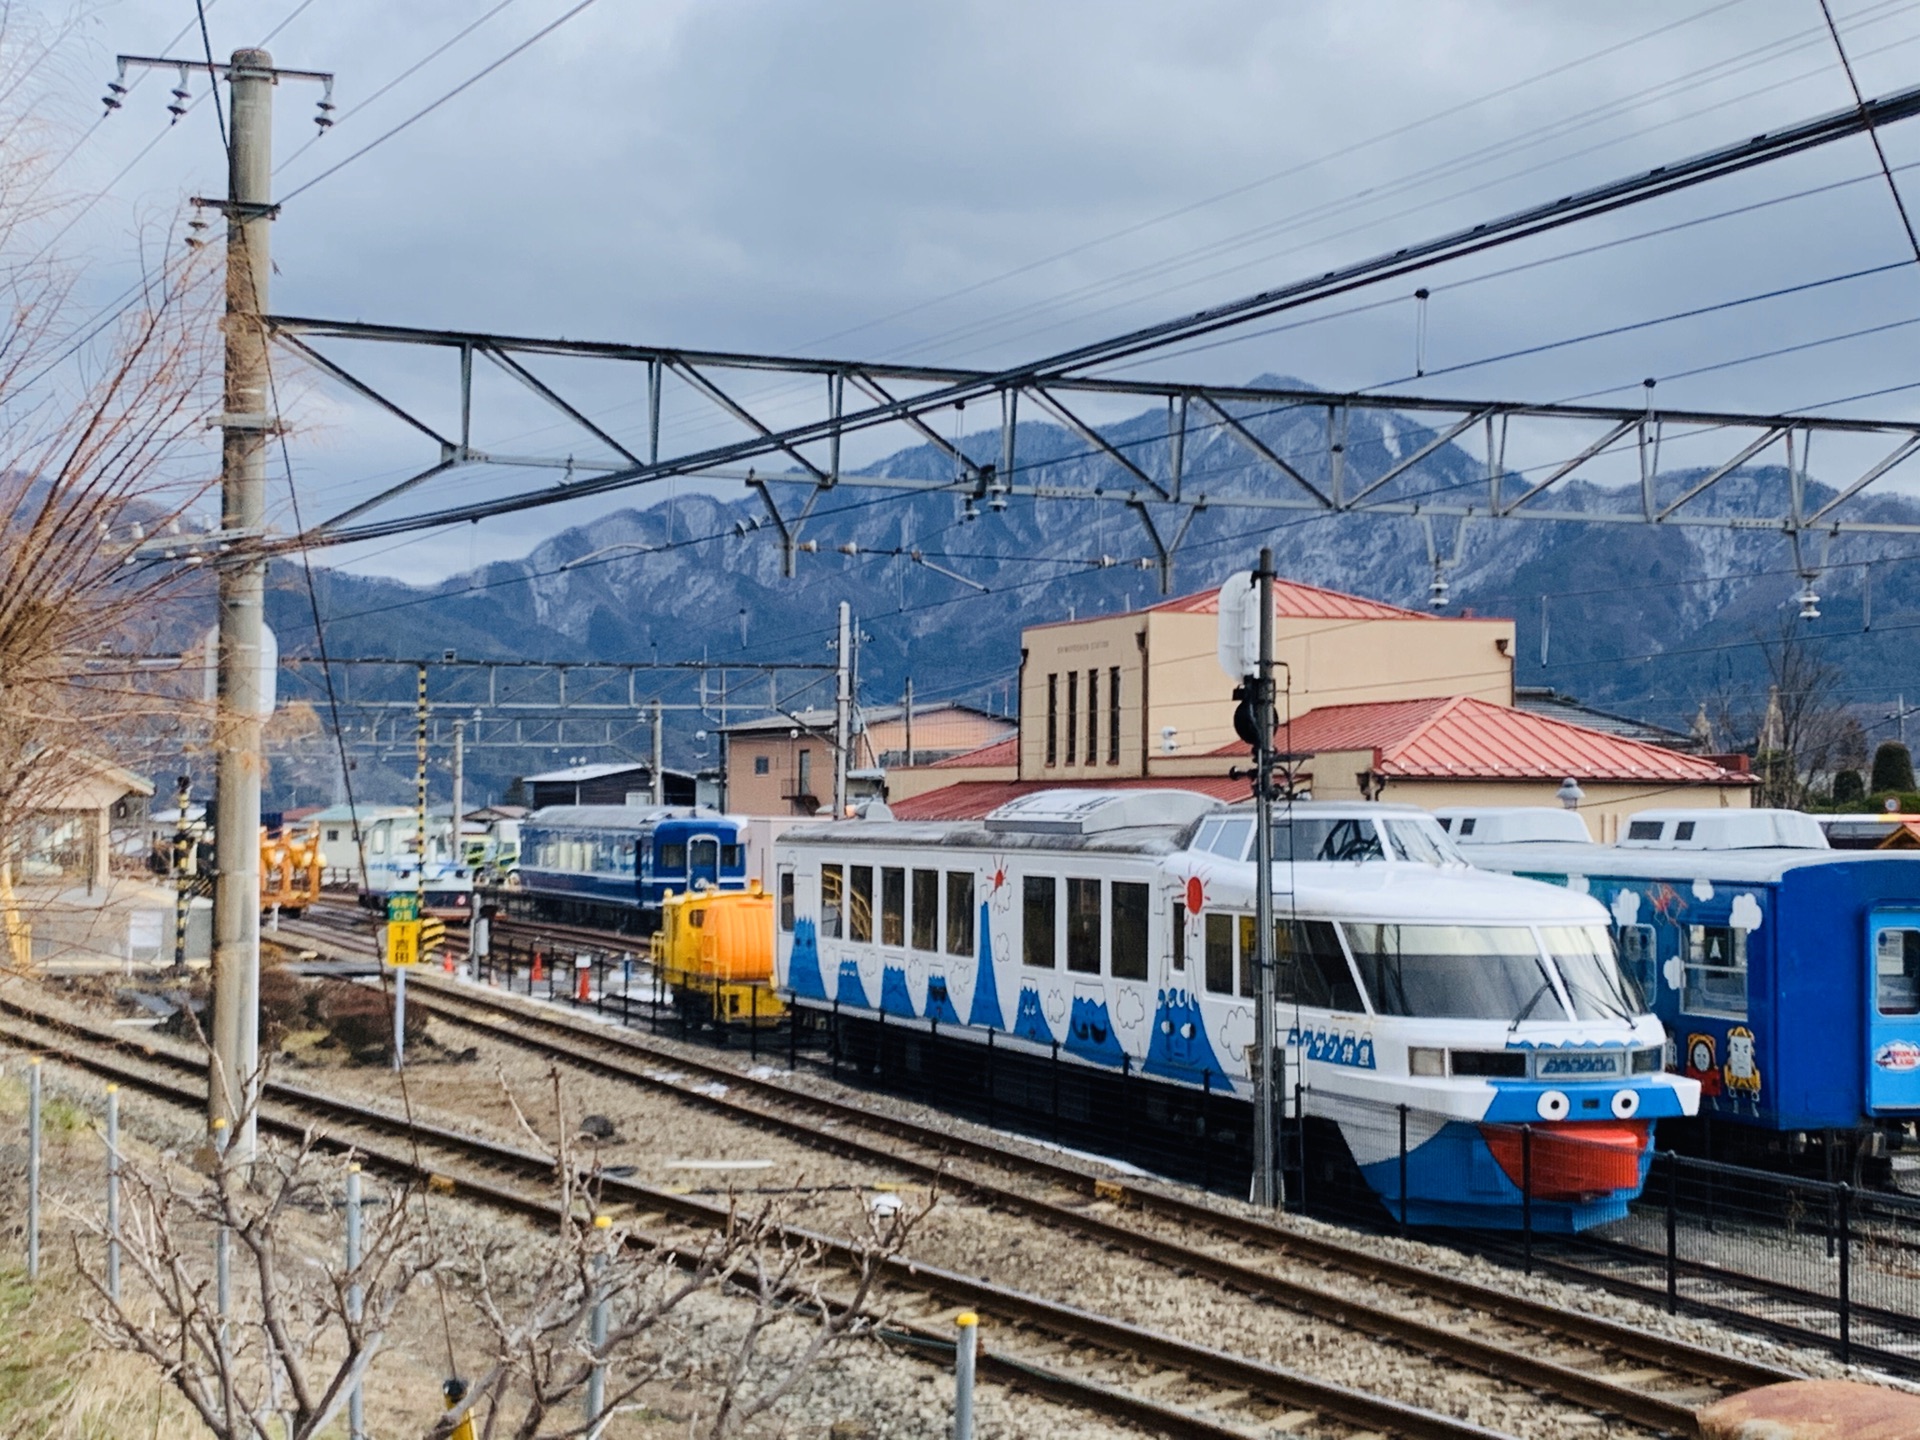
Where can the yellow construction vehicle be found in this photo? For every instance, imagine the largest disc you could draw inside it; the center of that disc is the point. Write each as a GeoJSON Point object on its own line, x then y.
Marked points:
{"type": "Point", "coordinates": [290, 871]}
{"type": "Point", "coordinates": [714, 951]}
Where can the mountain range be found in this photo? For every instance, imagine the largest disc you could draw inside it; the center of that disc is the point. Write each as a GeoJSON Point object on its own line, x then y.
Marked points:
{"type": "Point", "coordinates": [1649, 621]}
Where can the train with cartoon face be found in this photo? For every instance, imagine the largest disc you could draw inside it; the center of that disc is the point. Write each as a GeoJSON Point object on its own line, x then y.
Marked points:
{"type": "Point", "coordinates": [1469, 1038]}
{"type": "Point", "coordinates": [1787, 972]}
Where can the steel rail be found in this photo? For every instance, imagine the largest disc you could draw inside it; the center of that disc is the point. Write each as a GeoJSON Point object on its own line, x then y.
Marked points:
{"type": "Point", "coordinates": [436, 992]}
{"type": "Point", "coordinates": [1488, 1357]}
{"type": "Point", "coordinates": [1064, 1322]}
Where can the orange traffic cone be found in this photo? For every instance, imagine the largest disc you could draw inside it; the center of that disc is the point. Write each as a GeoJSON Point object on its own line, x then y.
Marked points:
{"type": "Point", "coordinates": [582, 975]}
{"type": "Point", "coordinates": [539, 969]}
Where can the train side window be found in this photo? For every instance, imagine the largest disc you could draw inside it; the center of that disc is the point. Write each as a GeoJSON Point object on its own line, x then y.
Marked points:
{"type": "Point", "coordinates": [1716, 971]}
{"type": "Point", "coordinates": [960, 912]}
{"type": "Point", "coordinates": [926, 910]}
{"type": "Point", "coordinates": [1896, 964]}
{"type": "Point", "coordinates": [860, 903]}
{"type": "Point", "coordinates": [833, 899]}
{"type": "Point", "coordinates": [1220, 954]}
{"type": "Point", "coordinates": [1083, 925]}
{"type": "Point", "coordinates": [893, 906]}
{"type": "Point", "coordinates": [1638, 955]}
{"type": "Point", "coordinates": [1040, 899]}
{"type": "Point", "coordinates": [1248, 955]}
{"type": "Point", "coordinates": [1129, 930]}
{"type": "Point", "coordinates": [730, 857]}
{"type": "Point", "coordinates": [1310, 968]}
{"type": "Point", "coordinates": [786, 899]}
{"type": "Point", "coordinates": [1179, 947]}
{"type": "Point", "coordinates": [673, 858]}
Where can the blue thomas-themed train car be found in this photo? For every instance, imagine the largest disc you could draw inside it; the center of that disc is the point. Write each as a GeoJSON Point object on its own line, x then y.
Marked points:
{"type": "Point", "coordinates": [1113, 931]}
{"type": "Point", "coordinates": [1787, 973]}
{"type": "Point", "coordinates": [612, 865]}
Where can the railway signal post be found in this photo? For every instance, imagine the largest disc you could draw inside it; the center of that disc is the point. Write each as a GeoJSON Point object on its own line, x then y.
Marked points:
{"type": "Point", "coordinates": [1248, 657]}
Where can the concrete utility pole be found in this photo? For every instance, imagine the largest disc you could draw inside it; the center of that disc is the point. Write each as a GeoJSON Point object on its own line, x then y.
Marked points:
{"type": "Point", "coordinates": [659, 756]}
{"type": "Point", "coordinates": [842, 711]}
{"type": "Point", "coordinates": [1266, 1178]}
{"type": "Point", "coordinates": [244, 424]}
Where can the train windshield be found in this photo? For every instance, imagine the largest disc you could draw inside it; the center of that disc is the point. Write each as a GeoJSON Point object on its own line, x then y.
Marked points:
{"type": "Point", "coordinates": [1456, 972]}
{"type": "Point", "coordinates": [1421, 841]}
{"type": "Point", "coordinates": [1309, 838]}
{"type": "Point", "coordinates": [1597, 986]}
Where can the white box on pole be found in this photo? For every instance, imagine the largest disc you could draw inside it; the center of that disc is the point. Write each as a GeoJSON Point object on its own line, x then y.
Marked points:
{"type": "Point", "coordinates": [1239, 640]}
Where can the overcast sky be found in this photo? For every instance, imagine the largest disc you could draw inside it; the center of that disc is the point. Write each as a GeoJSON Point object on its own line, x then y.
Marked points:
{"type": "Point", "coordinates": [982, 182]}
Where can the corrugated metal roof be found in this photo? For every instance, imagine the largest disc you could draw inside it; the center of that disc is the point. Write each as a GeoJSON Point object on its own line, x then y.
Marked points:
{"type": "Point", "coordinates": [975, 799]}
{"type": "Point", "coordinates": [1296, 600]}
{"type": "Point", "coordinates": [1000, 752]}
{"type": "Point", "coordinates": [1459, 737]}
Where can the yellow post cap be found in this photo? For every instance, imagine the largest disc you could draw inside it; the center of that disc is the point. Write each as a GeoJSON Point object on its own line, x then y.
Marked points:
{"type": "Point", "coordinates": [220, 1124]}
{"type": "Point", "coordinates": [113, 1089]}
{"type": "Point", "coordinates": [33, 1060]}
{"type": "Point", "coordinates": [353, 1168]}
{"type": "Point", "coordinates": [966, 1318]}
{"type": "Point", "coordinates": [602, 1222]}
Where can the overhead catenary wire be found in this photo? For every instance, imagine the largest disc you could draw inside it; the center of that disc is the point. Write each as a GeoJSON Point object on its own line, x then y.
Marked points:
{"type": "Point", "coordinates": [434, 105]}
{"type": "Point", "coordinates": [404, 75]}
{"type": "Point", "coordinates": [1873, 132]}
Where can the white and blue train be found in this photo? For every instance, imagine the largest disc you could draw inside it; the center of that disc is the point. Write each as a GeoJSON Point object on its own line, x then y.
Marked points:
{"type": "Point", "coordinates": [612, 865]}
{"type": "Point", "coordinates": [1483, 1017]}
{"type": "Point", "coordinates": [1787, 972]}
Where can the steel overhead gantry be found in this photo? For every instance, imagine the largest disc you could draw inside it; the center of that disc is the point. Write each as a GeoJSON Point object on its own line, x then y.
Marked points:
{"type": "Point", "coordinates": [1150, 478]}
{"type": "Point", "coordinates": [537, 704]}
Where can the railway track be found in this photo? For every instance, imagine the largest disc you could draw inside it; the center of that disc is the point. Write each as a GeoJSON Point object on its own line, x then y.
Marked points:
{"type": "Point", "coordinates": [1161, 1382]}
{"type": "Point", "coordinates": [1647, 1379]}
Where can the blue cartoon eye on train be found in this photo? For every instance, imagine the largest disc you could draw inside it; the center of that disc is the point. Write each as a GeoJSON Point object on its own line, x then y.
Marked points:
{"type": "Point", "coordinates": [1787, 972]}
{"type": "Point", "coordinates": [1482, 1018]}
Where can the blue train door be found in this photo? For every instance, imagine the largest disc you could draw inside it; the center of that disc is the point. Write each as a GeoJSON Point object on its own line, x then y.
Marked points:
{"type": "Point", "coordinates": [1893, 1011]}
{"type": "Point", "coordinates": [703, 861]}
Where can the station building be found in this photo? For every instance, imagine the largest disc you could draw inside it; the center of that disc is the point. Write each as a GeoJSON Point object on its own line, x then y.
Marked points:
{"type": "Point", "coordinates": [1377, 702]}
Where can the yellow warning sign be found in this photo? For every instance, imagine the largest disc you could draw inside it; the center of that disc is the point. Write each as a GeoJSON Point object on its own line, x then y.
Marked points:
{"type": "Point", "coordinates": [403, 942]}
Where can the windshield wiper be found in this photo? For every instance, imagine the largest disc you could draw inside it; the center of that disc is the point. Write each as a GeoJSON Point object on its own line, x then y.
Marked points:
{"type": "Point", "coordinates": [1574, 988]}
{"type": "Point", "coordinates": [1546, 988]}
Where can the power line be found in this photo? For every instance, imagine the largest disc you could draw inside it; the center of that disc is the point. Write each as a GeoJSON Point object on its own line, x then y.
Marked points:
{"type": "Point", "coordinates": [428, 109]}
{"type": "Point", "coordinates": [412, 69]}
{"type": "Point", "coordinates": [213, 76]}
{"type": "Point", "coordinates": [1873, 134]}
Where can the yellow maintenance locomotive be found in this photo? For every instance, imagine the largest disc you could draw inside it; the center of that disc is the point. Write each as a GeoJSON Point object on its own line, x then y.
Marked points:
{"type": "Point", "coordinates": [714, 949]}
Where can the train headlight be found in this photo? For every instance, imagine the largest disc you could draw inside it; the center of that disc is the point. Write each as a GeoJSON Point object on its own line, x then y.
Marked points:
{"type": "Point", "coordinates": [1626, 1104]}
{"type": "Point", "coordinates": [1426, 1060]}
{"type": "Point", "coordinates": [1553, 1105]}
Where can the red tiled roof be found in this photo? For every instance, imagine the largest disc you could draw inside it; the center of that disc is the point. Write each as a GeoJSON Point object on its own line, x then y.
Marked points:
{"type": "Point", "coordinates": [975, 799]}
{"type": "Point", "coordinates": [998, 752]}
{"type": "Point", "coordinates": [1295, 600]}
{"type": "Point", "coordinates": [1459, 737]}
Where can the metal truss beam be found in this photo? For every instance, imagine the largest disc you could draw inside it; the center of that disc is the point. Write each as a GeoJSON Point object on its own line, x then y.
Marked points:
{"type": "Point", "coordinates": [1044, 380]}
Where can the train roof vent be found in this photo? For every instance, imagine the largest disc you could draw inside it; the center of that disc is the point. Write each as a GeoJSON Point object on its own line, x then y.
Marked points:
{"type": "Point", "coordinates": [1723, 830]}
{"type": "Point", "coordinates": [1087, 812]}
{"type": "Point", "coordinates": [1513, 825]}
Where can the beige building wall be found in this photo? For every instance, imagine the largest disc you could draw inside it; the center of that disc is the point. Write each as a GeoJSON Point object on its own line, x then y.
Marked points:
{"type": "Point", "coordinates": [935, 732]}
{"type": "Point", "coordinates": [1168, 676]}
{"type": "Point", "coordinates": [769, 774]}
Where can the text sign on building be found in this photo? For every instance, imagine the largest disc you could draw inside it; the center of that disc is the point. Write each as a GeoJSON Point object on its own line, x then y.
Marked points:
{"type": "Point", "coordinates": [1239, 641]}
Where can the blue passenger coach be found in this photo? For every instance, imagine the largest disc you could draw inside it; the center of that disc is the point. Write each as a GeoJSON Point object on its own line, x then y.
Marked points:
{"type": "Point", "coordinates": [1788, 974]}
{"type": "Point", "coordinates": [612, 865]}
